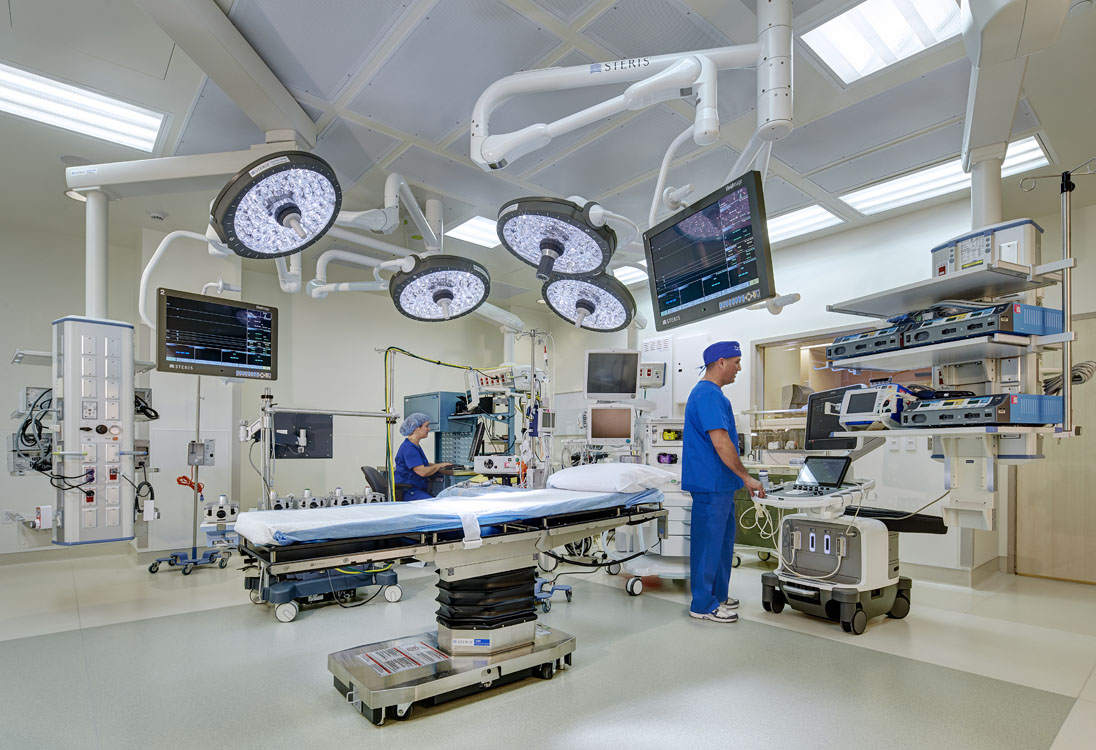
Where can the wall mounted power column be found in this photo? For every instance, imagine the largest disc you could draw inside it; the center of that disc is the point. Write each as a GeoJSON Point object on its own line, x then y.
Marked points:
{"type": "Point", "coordinates": [95, 265]}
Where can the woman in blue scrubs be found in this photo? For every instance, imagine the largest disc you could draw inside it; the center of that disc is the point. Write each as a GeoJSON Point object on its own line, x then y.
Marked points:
{"type": "Point", "coordinates": [411, 465]}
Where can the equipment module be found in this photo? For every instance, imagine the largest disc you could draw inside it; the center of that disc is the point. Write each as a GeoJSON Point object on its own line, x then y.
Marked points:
{"type": "Point", "coordinates": [1002, 409]}
{"type": "Point", "coordinates": [1009, 317]}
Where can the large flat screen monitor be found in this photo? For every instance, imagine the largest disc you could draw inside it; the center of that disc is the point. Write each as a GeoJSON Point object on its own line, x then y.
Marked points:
{"type": "Point", "coordinates": [711, 258]}
{"type": "Point", "coordinates": [820, 423]}
{"type": "Point", "coordinates": [201, 335]}
{"type": "Point", "coordinates": [612, 374]}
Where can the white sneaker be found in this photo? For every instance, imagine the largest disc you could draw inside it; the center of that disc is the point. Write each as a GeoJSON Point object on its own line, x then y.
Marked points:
{"type": "Point", "coordinates": [731, 603]}
{"type": "Point", "coordinates": [720, 615]}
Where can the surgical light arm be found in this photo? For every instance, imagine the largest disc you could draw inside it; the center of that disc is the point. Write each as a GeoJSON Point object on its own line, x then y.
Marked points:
{"type": "Point", "coordinates": [386, 219]}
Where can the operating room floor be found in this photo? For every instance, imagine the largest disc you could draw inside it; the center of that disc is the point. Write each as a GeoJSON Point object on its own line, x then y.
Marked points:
{"type": "Point", "coordinates": [97, 653]}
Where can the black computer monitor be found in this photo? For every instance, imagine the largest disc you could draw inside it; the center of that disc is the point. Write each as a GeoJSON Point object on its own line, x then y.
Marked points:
{"type": "Point", "coordinates": [711, 258]}
{"type": "Point", "coordinates": [478, 437]}
{"type": "Point", "coordinates": [200, 335]}
{"type": "Point", "coordinates": [820, 424]}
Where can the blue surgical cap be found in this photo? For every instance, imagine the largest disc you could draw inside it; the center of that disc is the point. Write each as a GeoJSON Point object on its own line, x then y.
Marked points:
{"type": "Point", "coordinates": [721, 350]}
{"type": "Point", "coordinates": [413, 422]}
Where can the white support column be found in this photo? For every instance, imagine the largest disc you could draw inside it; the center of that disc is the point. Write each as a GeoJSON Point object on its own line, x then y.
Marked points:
{"type": "Point", "coordinates": [95, 264]}
{"type": "Point", "coordinates": [985, 193]}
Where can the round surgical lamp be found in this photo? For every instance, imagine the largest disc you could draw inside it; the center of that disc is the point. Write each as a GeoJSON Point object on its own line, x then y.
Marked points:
{"type": "Point", "coordinates": [440, 287]}
{"type": "Point", "coordinates": [599, 303]}
{"type": "Point", "coordinates": [557, 236]}
{"type": "Point", "coordinates": [278, 205]}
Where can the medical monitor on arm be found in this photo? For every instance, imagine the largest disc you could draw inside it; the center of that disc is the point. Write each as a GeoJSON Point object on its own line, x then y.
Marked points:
{"type": "Point", "coordinates": [612, 374]}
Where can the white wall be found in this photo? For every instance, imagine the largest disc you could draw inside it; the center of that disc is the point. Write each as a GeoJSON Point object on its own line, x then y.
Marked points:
{"type": "Point", "coordinates": [43, 280]}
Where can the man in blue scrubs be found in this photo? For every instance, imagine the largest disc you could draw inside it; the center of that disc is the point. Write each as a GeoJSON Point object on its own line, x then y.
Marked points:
{"type": "Point", "coordinates": [712, 472]}
{"type": "Point", "coordinates": [411, 465]}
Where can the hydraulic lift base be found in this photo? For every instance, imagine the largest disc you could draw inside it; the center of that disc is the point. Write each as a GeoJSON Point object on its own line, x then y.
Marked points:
{"type": "Point", "coordinates": [386, 679]}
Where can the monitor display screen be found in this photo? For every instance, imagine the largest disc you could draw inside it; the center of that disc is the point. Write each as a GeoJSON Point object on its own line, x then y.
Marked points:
{"type": "Point", "coordinates": [820, 424]}
{"type": "Point", "coordinates": [824, 470]}
{"type": "Point", "coordinates": [862, 403]}
{"type": "Point", "coordinates": [711, 258]}
{"type": "Point", "coordinates": [610, 424]}
{"type": "Point", "coordinates": [202, 335]}
{"type": "Point", "coordinates": [612, 374]}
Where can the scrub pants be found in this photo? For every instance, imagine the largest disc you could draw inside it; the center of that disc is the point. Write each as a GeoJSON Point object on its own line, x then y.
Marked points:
{"type": "Point", "coordinates": [711, 534]}
{"type": "Point", "coordinates": [414, 493]}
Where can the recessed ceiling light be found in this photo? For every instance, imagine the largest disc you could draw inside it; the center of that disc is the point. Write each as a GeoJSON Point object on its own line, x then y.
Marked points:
{"type": "Point", "coordinates": [941, 179]}
{"type": "Point", "coordinates": [878, 33]}
{"type": "Point", "coordinates": [65, 106]}
{"type": "Point", "coordinates": [803, 221]}
{"type": "Point", "coordinates": [479, 230]}
{"type": "Point", "coordinates": [628, 275]}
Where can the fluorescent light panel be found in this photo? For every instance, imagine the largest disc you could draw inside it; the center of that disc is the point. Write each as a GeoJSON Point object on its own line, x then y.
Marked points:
{"type": "Point", "coordinates": [478, 230]}
{"type": "Point", "coordinates": [941, 179]}
{"type": "Point", "coordinates": [62, 105]}
{"type": "Point", "coordinates": [628, 275]}
{"type": "Point", "coordinates": [878, 33]}
{"type": "Point", "coordinates": [809, 219]}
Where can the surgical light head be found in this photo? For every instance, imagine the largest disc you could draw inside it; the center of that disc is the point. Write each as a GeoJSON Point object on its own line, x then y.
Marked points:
{"type": "Point", "coordinates": [440, 287]}
{"type": "Point", "coordinates": [600, 303]}
{"type": "Point", "coordinates": [278, 205]}
{"type": "Point", "coordinates": [413, 422]}
{"type": "Point", "coordinates": [557, 236]}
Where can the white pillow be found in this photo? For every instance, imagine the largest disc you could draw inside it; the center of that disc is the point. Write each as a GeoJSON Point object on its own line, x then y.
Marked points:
{"type": "Point", "coordinates": [612, 477]}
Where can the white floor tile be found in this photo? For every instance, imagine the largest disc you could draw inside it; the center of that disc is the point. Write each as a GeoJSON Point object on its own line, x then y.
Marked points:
{"type": "Point", "coordinates": [1079, 730]}
{"type": "Point", "coordinates": [1088, 692]}
{"type": "Point", "coordinates": [1057, 605]}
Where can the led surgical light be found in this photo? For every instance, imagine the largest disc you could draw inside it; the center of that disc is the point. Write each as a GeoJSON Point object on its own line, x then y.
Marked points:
{"type": "Point", "coordinates": [599, 303]}
{"type": "Point", "coordinates": [557, 236]}
{"type": "Point", "coordinates": [277, 206]}
{"type": "Point", "coordinates": [440, 287]}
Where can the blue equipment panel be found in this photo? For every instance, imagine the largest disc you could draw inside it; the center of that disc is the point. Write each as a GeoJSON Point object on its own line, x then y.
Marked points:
{"type": "Point", "coordinates": [438, 406]}
{"type": "Point", "coordinates": [1009, 317]}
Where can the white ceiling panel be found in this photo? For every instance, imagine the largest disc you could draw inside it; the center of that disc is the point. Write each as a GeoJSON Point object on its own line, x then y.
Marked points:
{"type": "Point", "coordinates": [566, 10]}
{"type": "Point", "coordinates": [628, 150]}
{"type": "Point", "coordinates": [926, 101]}
{"type": "Point", "coordinates": [500, 290]}
{"type": "Point", "coordinates": [634, 28]}
{"type": "Point", "coordinates": [431, 82]}
{"type": "Point", "coordinates": [927, 148]}
{"type": "Point", "coordinates": [737, 93]}
{"type": "Point", "coordinates": [216, 124]}
{"type": "Point", "coordinates": [781, 196]}
{"type": "Point", "coordinates": [546, 107]}
{"type": "Point", "coordinates": [798, 6]}
{"type": "Point", "coordinates": [484, 191]}
{"type": "Point", "coordinates": [352, 149]}
{"type": "Point", "coordinates": [1025, 118]}
{"type": "Point", "coordinates": [315, 46]}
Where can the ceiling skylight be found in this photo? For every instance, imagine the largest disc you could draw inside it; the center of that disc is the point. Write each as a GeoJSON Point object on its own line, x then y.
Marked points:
{"type": "Point", "coordinates": [941, 179]}
{"type": "Point", "coordinates": [809, 219]}
{"type": "Point", "coordinates": [65, 106]}
{"type": "Point", "coordinates": [629, 275]}
{"type": "Point", "coordinates": [479, 230]}
{"type": "Point", "coordinates": [878, 33]}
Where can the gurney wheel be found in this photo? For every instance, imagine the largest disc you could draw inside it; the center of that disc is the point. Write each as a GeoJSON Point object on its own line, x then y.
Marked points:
{"type": "Point", "coordinates": [223, 563]}
{"type": "Point", "coordinates": [406, 712]}
{"type": "Point", "coordinates": [736, 561]}
{"type": "Point", "coordinates": [569, 594]}
{"type": "Point", "coordinates": [764, 556]}
{"type": "Point", "coordinates": [256, 597]}
{"type": "Point", "coordinates": [286, 611]}
{"type": "Point", "coordinates": [634, 586]}
{"type": "Point", "coordinates": [154, 567]}
{"type": "Point", "coordinates": [613, 569]}
{"type": "Point", "coordinates": [546, 606]}
{"type": "Point", "coordinates": [188, 568]}
{"type": "Point", "coordinates": [393, 593]}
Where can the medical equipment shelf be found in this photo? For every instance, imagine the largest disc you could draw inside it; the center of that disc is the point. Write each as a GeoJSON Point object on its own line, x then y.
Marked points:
{"type": "Point", "coordinates": [951, 431]}
{"type": "Point", "coordinates": [995, 281]}
{"type": "Point", "coordinates": [31, 357]}
{"type": "Point", "coordinates": [993, 346]}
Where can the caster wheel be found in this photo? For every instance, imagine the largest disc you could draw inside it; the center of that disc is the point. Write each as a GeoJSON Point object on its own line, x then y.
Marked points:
{"type": "Point", "coordinates": [546, 563]}
{"type": "Point", "coordinates": [634, 586]}
{"type": "Point", "coordinates": [255, 596]}
{"type": "Point", "coordinates": [154, 567]}
{"type": "Point", "coordinates": [393, 593]}
{"type": "Point", "coordinates": [569, 595]}
{"type": "Point", "coordinates": [223, 563]}
{"type": "Point", "coordinates": [764, 556]}
{"type": "Point", "coordinates": [859, 622]}
{"type": "Point", "coordinates": [613, 569]}
{"type": "Point", "coordinates": [846, 626]}
{"type": "Point", "coordinates": [547, 671]}
{"type": "Point", "coordinates": [736, 561]}
{"type": "Point", "coordinates": [547, 606]}
{"type": "Point", "coordinates": [778, 602]}
{"type": "Point", "coordinates": [172, 560]}
{"type": "Point", "coordinates": [766, 606]}
{"type": "Point", "coordinates": [900, 608]}
{"type": "Point", "coordinates": [406, 714]}
{"type": "Point", "coordinates": [188, 568]}
{"type": "Point", "coordinates": [286, 611]}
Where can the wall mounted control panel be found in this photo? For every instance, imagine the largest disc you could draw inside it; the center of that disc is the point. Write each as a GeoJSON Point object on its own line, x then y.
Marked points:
{"type": "Point", "coordinates": [93, 373]}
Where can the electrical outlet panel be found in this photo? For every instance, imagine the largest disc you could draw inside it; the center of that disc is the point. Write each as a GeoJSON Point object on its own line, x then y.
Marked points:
{"type": "Point", "coordinates": [652, 374]}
